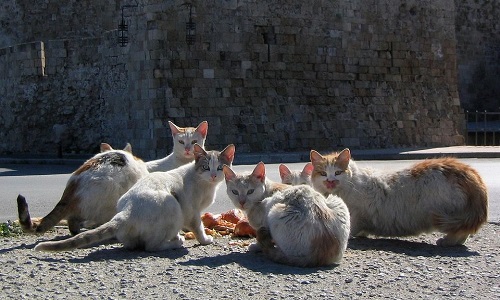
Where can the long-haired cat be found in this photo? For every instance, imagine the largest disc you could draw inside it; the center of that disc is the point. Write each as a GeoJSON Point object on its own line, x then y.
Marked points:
{"type": "Point", "coordinates": [91, 192]}
{"type": "Point", "coordinates": [440, 194]}
{"type": "Point", "coordinates": [151, 214]}
{"type": "Point", "coordinates": [296, 177]}
{"type": "Point", "coordinates": [295, 224]}
{"type": "Point", "coordinates": [184, 139]}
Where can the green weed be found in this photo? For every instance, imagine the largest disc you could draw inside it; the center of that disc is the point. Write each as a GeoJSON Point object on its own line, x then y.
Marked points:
{"type": "Point", "coordinates": [9, 229]}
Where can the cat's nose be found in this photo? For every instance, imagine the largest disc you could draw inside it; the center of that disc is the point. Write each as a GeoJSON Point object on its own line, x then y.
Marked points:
{"type": "Point", "coordinates": [213, 176]}
{"type": "Point", "coordinates": [242, 203]}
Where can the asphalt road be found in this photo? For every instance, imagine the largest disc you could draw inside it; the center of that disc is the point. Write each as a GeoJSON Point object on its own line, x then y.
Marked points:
{"type": "Point", "coordinates": [42, 185]}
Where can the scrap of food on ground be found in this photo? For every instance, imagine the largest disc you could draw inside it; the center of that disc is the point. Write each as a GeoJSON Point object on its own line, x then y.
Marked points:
{"type": "Point", "coordinates": [233, 223]}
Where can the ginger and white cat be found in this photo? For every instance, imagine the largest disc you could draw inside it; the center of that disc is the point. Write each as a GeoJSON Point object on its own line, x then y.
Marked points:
{"type": "Point", "coordinates": [91, 192]}
{"type": "Point", "coordinates": [295, 224]}
{"type": "Point", "coordinates": [184, 139]}
{"type": "Point", "coordinates": [151, 214]}
{"type": "Point", "coordinates": [296, 177]}
{"type": "Point", "coordinates": [441, 194]}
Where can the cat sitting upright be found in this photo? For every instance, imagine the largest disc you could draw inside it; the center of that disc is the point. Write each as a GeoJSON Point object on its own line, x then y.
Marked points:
{"type": "Point", "coordinates": [184, 139]}
{"type": "Point", "coordinates": [436, 194]}
{"type": "Point", "coordinates": [91, 192]}
{"type": "Point", "coordinates": [295, 224]}
{"type": "Point", "coordinates": [151, 214]}
{"type": "Point", "coordinates": [296, 177]}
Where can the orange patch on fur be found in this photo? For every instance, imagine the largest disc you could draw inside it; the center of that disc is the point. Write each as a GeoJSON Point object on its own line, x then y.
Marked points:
{"type": "Point", "coordinates": [68, 203]}
{"type": "Point", "coordinates": [89, 164]}
{"type": "Point", "coordinates": [278, 187]}
{"type": "Point", "coordinates": [471, 184]}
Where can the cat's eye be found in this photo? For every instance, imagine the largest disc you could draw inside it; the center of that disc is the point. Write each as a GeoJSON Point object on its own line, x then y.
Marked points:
{"type": "Point", "coordinates": [219, 168]}
{"type": "Point", "coordinates": [249, 192]}
{"type": "Point", "coordinates": [206, 168]}
{"type": "Point", "coordinates": [338, 172]}
{"type": "Point", "coordinates": [235, 192]}
{"type": "Point", "coordinates": [181, 142]}
{"type": "Point", "coordinates": [322, 173]}
{"type": "Point", "coordinates": [194, 142]}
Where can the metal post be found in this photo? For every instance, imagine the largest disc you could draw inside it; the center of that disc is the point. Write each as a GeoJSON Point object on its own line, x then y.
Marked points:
{"type": "Point", "coordinates": [475, 134]}
{"type": "Point", "coordinates": [484, 128]}
{"type": "Point", "coordinates": [466, 127]}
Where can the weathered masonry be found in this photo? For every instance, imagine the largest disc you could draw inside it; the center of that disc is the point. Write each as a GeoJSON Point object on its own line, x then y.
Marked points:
{"type": "Point", "coordinates": [267, 75]}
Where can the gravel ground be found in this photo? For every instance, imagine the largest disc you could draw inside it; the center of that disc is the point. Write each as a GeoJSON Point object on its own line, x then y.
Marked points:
{"type": "Point", "coordinates": [411, 268]}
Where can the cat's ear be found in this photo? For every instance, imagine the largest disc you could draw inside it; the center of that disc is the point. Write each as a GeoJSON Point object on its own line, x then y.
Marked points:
{"type": "Point", "coordinates": [316, 157]}
{"type": "Point", "coordinates": [260, 172]}
{"type": "Point", "coordinates": [105, 147]}
{"type": "Point", "coordinates": [228, 173]}
{"type": "Point", "coordinates": [344, 158]}
{"type": "Point", "coordinates": [228, 153]}
{"type": "Point", "coordinates": [202, 129]}
{"type": "Point", "coordinates": [128, 148]}
{"type": "Point", "coordinates": [308, 169]}
{"type": "Point", "coordinates": [175, 130]}
{"type": "Point", "coordinates": [284, 171]}
{"type": "Point", "coordinates": [198, 152]}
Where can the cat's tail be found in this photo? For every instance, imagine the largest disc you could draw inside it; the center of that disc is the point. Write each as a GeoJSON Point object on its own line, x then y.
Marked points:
{"type": "Point", "coordinates": [25, 221]}
{"type": "Point", "coordinates": [475, 212]}
{"type": "Point", "coordinates": [102, 233]}
{"type": "Point", "coordinates": [60, 211]}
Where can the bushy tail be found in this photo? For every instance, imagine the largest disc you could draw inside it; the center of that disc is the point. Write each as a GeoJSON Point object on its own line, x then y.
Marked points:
{"type": "Point", "coordinates": [475, 212]}
{"type": "Point", "coordinates": [99, 234]}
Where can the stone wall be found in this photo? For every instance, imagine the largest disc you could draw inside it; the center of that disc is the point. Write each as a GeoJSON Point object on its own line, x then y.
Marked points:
{"type": "Point", "coordinates": [478, 48]}
{"type": "Point", "coordinates": [267, 75]}
{"type": "Point", "coordinates": [25, 21]}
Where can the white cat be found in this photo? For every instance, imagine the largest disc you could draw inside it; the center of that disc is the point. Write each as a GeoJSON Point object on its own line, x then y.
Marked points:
{"type": "Point", "coordinates": [184, 139]}
{"type": "Point", "coordinates": [91, 192]}
{"type": "Point", "coordinates": [435, 194]}
{"type": "Point", "coordinates": [151, 214]}
{"type": "Point", "coordinates": [295, 224]}
{"type": "Point", "coordinates": [296, 177]}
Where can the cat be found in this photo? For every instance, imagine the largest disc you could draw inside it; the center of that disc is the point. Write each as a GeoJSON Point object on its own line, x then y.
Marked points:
{"type": "Point", "coordinates": [295, 224]}
{"type": "Point", "coordinates": [91, 192]}
{"type": "Point", "coordinates": [182, 153]}
{"type": "Point", "coordinates": [296, 177]}
{"type": "Point", "coordinates": [439, 194]}
{"type": "Point", "coordinates": [153, 212]}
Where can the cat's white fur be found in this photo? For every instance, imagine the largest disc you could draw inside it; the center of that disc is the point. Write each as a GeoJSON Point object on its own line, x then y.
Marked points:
{"type": "Point", "coordinates": [184, 139]}
{"type": "Point", "coordinates": [295, 224]}
{"type": "Point", "coordinates": [296, 177]}
{"type": "Point", "coordinates": [92, 191]}
{"type": "Point", "coordinates": [151, 214]}
{"type": "Point", "coordinates": [433, 195]}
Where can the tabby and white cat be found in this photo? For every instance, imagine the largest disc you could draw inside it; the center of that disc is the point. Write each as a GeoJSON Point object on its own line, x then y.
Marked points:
{"type": "Point", "coordinates": [151, 214]}
{"type": "Point", "coordinates": [441, 194]}
{"type": "Point", "coordinates": [296, 177]}
{"type": "Point", "coordinates": [184, 139]}
{"type": "Point", "coordinates": [295, 224]}
{"type": "Point", "coordinates": [91, 192]}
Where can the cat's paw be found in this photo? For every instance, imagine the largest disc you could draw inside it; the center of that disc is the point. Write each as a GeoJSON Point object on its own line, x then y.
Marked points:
{"type": "Point", "coordinates": [450, 242]}
{"type": "Point", "coordinates": [206, 240]}
{"type": "Point", "coordinates": [180, 238]}
{"type": "Point", "coordinates": [254, 247]}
